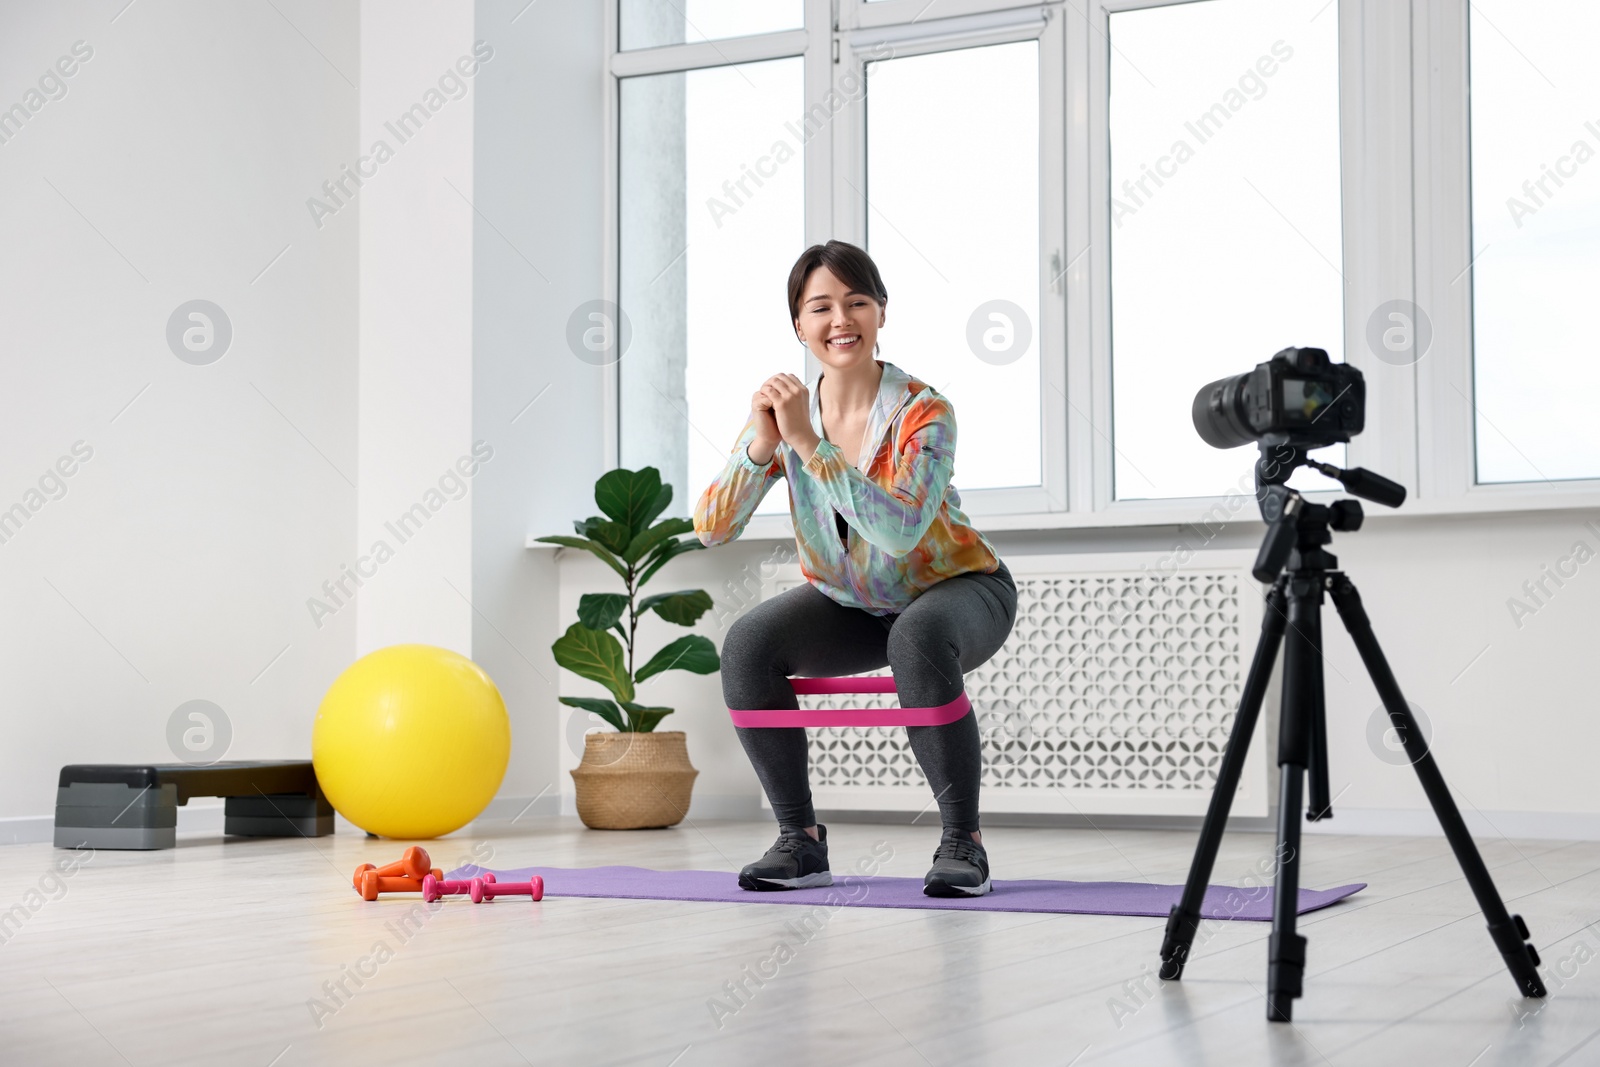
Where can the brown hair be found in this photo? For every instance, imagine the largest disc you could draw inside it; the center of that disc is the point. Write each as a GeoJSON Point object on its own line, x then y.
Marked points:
{"type": "Point", "coordinates": [850, 264]}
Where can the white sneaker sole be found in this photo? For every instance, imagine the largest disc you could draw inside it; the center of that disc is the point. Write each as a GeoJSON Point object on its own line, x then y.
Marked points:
{"type": "Point", "coordinates": [963, 890]}
{"type": "Point", "coordinates": [809, 881]}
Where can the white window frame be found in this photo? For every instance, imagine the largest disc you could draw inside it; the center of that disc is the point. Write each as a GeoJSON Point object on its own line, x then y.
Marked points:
{"type": "Point", "coordinates": [1407, 223]}
{"type": "Point", "coordinates": [1365, 449]}
{"type": "Point", "coordinates": [679, 57]}
{"type": "Point", "coordinates": [1038, 22]}
{"type": "Point", "coordinates": [1446, 428]}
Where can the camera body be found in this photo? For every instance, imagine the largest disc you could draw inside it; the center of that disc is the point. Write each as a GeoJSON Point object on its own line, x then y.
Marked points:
{"type": "Point", "coordinates": [1299, 395]}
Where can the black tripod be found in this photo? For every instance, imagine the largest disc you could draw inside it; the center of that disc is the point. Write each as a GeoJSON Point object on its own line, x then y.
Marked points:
{"type": "Point", "coordinates": [1296, 535]}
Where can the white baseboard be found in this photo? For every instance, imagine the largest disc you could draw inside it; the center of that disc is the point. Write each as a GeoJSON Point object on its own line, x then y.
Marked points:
{"type": "Point", "coordinates": [27, 829]}
{"type": "Point", "coordinates": [741, 806]}
{"type": "Point", "coordinates": [207, 819]}
{"type": "Point", "coordinates": [506, 809]}
{"type": "Point", "coordinates": [1356, 822]}
{"type": "Point", "coordinates": [1485, 825]}
{"type": "Point", "coordinates": [701, 806]}
{"type": "Point", "coordinates": [1363, 822]}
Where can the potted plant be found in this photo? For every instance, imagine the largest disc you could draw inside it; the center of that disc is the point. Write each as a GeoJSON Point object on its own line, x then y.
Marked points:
{"type": "Point", "coordinates": [637, 777]}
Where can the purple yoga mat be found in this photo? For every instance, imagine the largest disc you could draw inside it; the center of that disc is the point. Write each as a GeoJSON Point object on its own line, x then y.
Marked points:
{"type": "Point", "coordinates": [878, 891]}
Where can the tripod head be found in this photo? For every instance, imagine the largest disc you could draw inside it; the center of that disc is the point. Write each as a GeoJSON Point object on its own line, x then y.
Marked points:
{"type": "Point", "coordinates": [1294, 524]}
{"type": "Point", "coordinates": [1296, 401]}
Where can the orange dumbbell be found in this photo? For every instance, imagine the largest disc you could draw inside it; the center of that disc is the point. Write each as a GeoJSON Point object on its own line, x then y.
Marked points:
{"type": "Point", "coordinates": [367, 868]}
{"type": "Point", "coordinates": [414, 863]}
{"type": "Point", "coordinates": [372, 884]}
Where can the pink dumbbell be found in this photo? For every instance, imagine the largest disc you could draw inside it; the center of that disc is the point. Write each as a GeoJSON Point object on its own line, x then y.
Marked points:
{"type": "Point", "coordinates": [434, 888]}
{"type": "Point", "coordinates": [486, 889]}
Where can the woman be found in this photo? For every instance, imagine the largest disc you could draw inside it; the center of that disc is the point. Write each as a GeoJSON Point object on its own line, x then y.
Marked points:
{"type": "Point", "coordinates": [895, 575]}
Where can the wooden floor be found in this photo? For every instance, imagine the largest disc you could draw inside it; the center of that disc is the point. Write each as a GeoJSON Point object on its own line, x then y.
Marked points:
{"type": "Point", "coordinates": [220, 951]}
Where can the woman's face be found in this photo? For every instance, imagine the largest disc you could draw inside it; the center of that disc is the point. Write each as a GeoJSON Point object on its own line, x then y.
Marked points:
{"type": "Point", "coordinates": [831, 313]}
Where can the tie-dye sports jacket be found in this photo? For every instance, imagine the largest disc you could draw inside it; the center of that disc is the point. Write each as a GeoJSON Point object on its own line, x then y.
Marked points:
{"type": "Point", "coordinates": [906, 528]}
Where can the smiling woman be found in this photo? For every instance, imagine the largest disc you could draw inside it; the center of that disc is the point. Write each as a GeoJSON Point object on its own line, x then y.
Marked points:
{"type": "Point", "coordinates": [906, 582]}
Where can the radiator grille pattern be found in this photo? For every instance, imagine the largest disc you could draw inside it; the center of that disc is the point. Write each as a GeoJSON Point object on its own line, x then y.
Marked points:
{"type": "Point", "coordinates": [1108, 682]}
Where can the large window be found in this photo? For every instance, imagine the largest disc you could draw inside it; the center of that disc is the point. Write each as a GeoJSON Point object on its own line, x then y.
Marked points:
{"type": "Point", "coordinates": [711, 220]}
{"type": "Point", "coordinates": [953, 224]}
{"type": "Point", "coordinates": [1535, 273]}
{"type": "Point", "coordinates": [1225, 222]}
{"type": "Point", "coordinates": [1084, 213]}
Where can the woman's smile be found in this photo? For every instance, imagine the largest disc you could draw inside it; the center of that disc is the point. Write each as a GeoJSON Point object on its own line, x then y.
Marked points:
{"type": "Point", "coordinates": [838, 319]}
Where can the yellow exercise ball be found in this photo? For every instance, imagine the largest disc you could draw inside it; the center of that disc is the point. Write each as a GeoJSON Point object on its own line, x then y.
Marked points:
{"type": "Point", "coordinates": [411, 741]}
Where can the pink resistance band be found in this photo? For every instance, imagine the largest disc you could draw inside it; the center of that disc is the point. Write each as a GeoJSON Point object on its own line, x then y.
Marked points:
{"type": "Point", "coordinates": [942, 715]}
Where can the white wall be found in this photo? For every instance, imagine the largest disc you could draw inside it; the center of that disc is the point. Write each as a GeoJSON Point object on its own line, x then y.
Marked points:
{"type": "Point", "coordinates": [178, 563]}
{"type": "Point", "coordinates": [1512, 708]}
{"type": "Point", "coordinates": [537, 258]}
{"type": "Point", "coordinates": [416, 323]}
{"type": "Point", "coordinates": [217, 524]}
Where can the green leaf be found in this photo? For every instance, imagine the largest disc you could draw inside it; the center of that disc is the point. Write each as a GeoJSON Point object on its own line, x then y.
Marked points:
{"type": "Point", "coordinates": [596, 656]}
{"type": "Point", "coordinates": [656, 535]}
{"type": "Point", "coordinates": [682, 607]}
{"type": "Point", "coordinates": [644, 719]}
{"type": "Point", "coordinates": [601, 707]}
{"type": "Point", "coordinates": [600, 611]}
{"type": "Point", "coordinates": [663, 498]}
{"type": "Point", "coordinates": [627, 496]}
{"type": "Point", "coordinates": [691, 653]}
{"type": "Point", "coordinates": [599, 550]}
{"type": "Point", "coordinates": [622, 633]}
{"type": "Point", "coordinates": [613, 535]}
{"type": "Point", "coordinates": [664, 547]}
{"type": "Point", "coordinates": [662, 554]}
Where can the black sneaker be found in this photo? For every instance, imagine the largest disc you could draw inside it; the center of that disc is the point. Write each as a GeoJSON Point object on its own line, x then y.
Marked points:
{"type": "Point", "coordinates": [793, 862]}
{"type": "Point", "coordinates": [960, 867]}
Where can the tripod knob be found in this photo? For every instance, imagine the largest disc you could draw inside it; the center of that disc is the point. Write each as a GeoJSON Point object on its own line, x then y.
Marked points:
{"type": "Point", "coordinates": [1345, 515]}
{"type": "Point", "coordinates": [1374, 487]}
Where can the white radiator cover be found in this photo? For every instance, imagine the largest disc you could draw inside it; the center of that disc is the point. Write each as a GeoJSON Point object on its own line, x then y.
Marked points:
{"type": "Point", "coordinates": [1113, 695]}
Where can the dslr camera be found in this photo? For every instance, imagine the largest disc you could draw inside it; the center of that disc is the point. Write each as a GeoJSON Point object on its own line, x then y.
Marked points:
{"type": "Point", "coordinates": [1299, 396]}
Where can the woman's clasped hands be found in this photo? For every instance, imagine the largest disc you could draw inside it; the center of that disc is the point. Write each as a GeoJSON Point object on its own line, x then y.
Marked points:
{"type": "Point", "coordinates": [782, 409]}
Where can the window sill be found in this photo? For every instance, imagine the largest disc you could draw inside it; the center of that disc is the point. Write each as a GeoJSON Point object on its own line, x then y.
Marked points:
{"type": "Point", "coordinates": [1124, 514]}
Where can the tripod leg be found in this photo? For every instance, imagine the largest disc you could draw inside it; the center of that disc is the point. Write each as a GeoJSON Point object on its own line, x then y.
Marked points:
{"type": "Point", "coordinates": [1509, 932]}
{"type": "Point", "coordinates": [1286, 950]}
{"type": "Point", "coordinates": [1320, 807]}
{"type": "Point", "coordinates": [1184, 919]}
{"type": "Point", "coordinates": [1302, 682]}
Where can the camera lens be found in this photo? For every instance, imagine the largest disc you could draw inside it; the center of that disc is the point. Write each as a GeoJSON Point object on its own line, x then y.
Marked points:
{"type": "Point", "coordinates": [1219, 416]}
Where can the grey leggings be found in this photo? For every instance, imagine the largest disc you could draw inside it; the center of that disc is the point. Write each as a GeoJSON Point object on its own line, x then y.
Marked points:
{"type": "Point", "coordinates": [951, 628]}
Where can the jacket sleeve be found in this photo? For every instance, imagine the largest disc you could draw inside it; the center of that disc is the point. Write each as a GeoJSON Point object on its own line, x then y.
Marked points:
{"type": "Point", "coordinates": [732, 497]}
{"type": "Point", "coordinates": [895, 518]}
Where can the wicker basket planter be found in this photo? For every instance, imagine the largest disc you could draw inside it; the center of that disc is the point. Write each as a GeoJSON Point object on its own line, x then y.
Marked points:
{"type": "Point", "coordinates": [633, 781]}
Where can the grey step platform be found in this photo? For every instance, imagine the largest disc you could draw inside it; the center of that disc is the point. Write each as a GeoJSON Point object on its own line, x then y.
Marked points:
{"type": "Point", "coordinates": [135, 806]}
